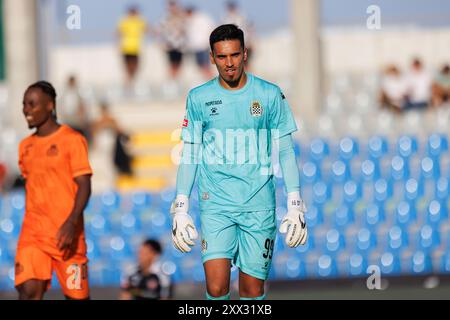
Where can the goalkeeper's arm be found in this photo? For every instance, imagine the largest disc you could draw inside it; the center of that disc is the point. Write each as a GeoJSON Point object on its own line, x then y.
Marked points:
{"type": "Point", "coordinates": [183, 228]}
{"type": "Point", "coordinates": [293, 223]}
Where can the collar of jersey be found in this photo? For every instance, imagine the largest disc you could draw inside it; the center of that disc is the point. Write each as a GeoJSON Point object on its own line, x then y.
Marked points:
{"type": "Point", "coordinates": [239, 91]}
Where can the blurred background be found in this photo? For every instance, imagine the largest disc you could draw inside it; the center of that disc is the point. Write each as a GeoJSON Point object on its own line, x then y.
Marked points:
{"type": "Point", "coordinates": [368, 82]}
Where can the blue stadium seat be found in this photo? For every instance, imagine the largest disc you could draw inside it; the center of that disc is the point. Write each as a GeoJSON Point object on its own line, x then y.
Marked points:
{"type": "Point", "coordinates": [390, 263]}
{"type": "Point", "coordinates": [399, 168]}
{"type": "Point", "coordinates": [407, 146]}
{"type": "Point", "coordinates": [130, 224]}
{"type": "Point", "coordinates": [429, 168]}
{"type": "Point", "coordinates": [343, 216]}
{"type": "Point", "coordinates": [419, 263]}
{"type": "Point", "coordinates": [295, 267]}
{"type": "Point", "coordinates": [340, 171]}
{"type": "Point", "coordinates": [397, 239]}
{"type": "Point", "coordinates": [357, 265]}
{"type": "Point", "coordinates": [370, 170]}
{"type": "Point", "coordinates": [378, 147]}
{"type": "Point", "coordinates": [98, 225]}
{"type": "Point", "coordinates": [110, 201]}
{"type": "Point", "coordinates": [436, 212]}
{"type": "Point", "coordinates": [352, 192]}
{"type": "Point", "coordinates": [141, 199]}
{"type": "Point", "coordinates": [442, 188]}
{"type": "Point", "coordinates": [119, 248]}
{"type": "Point", "coordinates": [436, 145]}
{"type": "Point", "coordinates": [314, 216]}
{"type": "Point", "coordinates": [445, 262]}
{"type": "Point", "coordinates": [366, 240]}
{"type": "Point", "coordinates": [319, 149]}
{"type": "Point", "coordinates": [383, 190]}
{"type": "Point", "coordinates": [334, 241]}
{"type": "Point", "coordinates": [413, 189]}
{"type": "Point", "coordinates": [373, 216]}
{"type": "Point", "coordinates": [310, 172]}
{"type": "Point", "coordinates": [326, 267]}
{"type": "Point", "coordinates": [428, 238]}
{"type": "Point", "coordinates": [321, 192]}
{"type": "Point", "coordinates": [405, 213]}
{"type": "Point", "coordinates": [348, 148]}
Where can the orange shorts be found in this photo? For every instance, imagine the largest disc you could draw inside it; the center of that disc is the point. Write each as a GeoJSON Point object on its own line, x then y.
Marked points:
{"type": "Point", "coordinates": [34, 263]}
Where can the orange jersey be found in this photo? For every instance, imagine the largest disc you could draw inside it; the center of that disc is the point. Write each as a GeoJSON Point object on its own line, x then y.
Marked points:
{"type": "Point", "coordinates": [49, 165]}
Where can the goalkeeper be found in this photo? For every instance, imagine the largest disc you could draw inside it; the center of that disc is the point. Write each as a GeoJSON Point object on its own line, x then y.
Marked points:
{"type": "Point", "coordinates": [231, 124]}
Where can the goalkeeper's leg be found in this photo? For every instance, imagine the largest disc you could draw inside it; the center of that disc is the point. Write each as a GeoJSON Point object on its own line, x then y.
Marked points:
{"type": "Point", "coordinates": [250, 288]}
{"type": "Point", "coordinates": [217, 274]}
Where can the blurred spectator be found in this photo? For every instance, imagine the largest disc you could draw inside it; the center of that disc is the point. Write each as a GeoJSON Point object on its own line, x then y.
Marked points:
{"type": "Point", "coordinates": [72, 110]}
{"type": "Point", "coordinates": [419, 84]}
{"type": "Point", "coordinates": [131, 30]}
{"type": "Point", "coordinates": [199, 26]}
{"type": "Point", "coordinates": [393, 89]}
{"type": "Point", "coordinates": [2, 176]}
{"type": "Point", "coordinates": [148, 281]}
{"type": "Point", "coordinates": [121, 156]}
{"type": "Point", "coordinates": [234, 16]}
{"type": "Point", "coordinates": [172, 32]}
{"type": "Point", "coordinates": [441, 87]}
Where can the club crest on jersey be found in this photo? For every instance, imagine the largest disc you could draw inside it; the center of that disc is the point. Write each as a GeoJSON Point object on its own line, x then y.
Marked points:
{"type": "Point", "coordinates": [256, 109]}
{"type": "Point", "coordinates": [52, 151]}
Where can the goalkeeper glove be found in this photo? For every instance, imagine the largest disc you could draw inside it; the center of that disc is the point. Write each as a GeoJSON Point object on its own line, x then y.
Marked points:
{"type": "Point", "coordinates": [183, 228]}
{"type": "Point", "coordinates": [293, 223]}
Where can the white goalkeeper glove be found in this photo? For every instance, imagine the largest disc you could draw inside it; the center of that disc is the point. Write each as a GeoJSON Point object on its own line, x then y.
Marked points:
{"type": "Point", "coordinates": [183, 228]}
{"type": "Point", "coordinates": [293, 223]}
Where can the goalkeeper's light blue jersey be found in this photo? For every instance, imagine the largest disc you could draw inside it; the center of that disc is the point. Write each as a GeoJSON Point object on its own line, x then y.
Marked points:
{"type": "Point", "coordinates": [235, 129]}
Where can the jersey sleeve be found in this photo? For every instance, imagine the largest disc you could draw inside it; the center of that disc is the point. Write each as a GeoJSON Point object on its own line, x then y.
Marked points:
{"type": "Point", "coordinates": [22, 168]}
{"type": "Point", "coordinates": [281, 118]}
{"type": "Point", "coordinates": [192, 129]}
{"type": "Point", "coordinates": [78, 157]}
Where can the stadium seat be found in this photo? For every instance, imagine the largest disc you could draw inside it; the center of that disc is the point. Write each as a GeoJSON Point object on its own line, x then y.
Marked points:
{"type": "Point", "coordinates": [129, 224]}
{"type": "Point", "coordinates": [370, 170]}
{"type": "Point", "coordinates": [405, 213]}
{"type": "Point", "coordinates": [428, 238]}
{"type": "Point", "coordinates": [321, 193]}
{"type": "Point", "coordinates": [397, 239]}
{"type": "Point", "coordinates": [295, 267]}
{"type": "Point", "coordinates": [389, 263]}
{"type": "Point", "coordinates": [419, 263]}
{"type": "Point", "coordinates": [436, 145]}
{"type": "Point", "coordinates": [399, 168]}
{"type": "Point", "coordinates": [436, 212]}
{"type": "Point", "coordinates": [326, 267]}
{"type": "Point", "coordinates": [314, 216]}
{"type": "Point", "coordinates": [110, 200]}
{"type": "Point", "coordinates": [98, 225]}
{"type": "Point", "coordinates": [357, 265]}
{"type": "Point", "coordinates": [383, 190]}
{"type": "Point", "coordinates": [442, 188]}
{"type": "Point", "coordinates": [343, 216]}
{"type": "Point", "coordinates": [413, 189]}
{"type": "Point", "coordinates": [348, 148]}
{"type": "Point", "coordinates": [373, 215]}
{"type": "Point", "coordinates": [365, 240]}
{"type": "Point", "coordinates": [8, 229]}
{"type": "Point", "coordinates": [319, 149]}
{"type": "Point", "coordinates": [334, 241]}
{"type": "Point", "coordinates": [429, 168]}
{"type": "Point", "coordinates": [352, 192]}
{"type": "Point", "coordinates": [141, 200]}
{"type": "Point", "coordinates": [378, 147]}
{"type": "Point", "coordinates": [340, 171]}
{"type": "Point", "coordinates": [407, 146]}
{"type": "Point", "coordinates": [445, 262]}
{"type": "Point", "coordinates": [309, 173]}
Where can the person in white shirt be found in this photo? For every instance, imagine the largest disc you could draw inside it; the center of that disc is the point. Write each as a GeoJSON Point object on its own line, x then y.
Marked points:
{"type": "Point", "coordinates": [393, 89]}
{"type": "Point", "coordinates": [198, 28]}
{"type": "Point", "coordinates": [419, 84]}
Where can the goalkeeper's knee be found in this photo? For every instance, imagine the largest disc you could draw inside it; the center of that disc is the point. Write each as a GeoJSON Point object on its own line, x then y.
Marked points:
{"type": "Point", "coordinates": [225, 297]}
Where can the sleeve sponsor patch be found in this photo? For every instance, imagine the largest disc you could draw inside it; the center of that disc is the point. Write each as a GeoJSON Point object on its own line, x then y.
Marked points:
{"type": "Point", "coordinates": [185, 122]}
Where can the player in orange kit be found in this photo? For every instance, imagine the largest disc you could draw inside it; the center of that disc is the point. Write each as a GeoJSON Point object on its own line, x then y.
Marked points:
{"type": "Point", "coordinates": [54, 162]}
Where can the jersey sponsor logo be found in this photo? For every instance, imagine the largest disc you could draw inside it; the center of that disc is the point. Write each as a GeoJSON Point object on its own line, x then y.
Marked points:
{"type": "Point", "coordinates": [185, 122]}
{"type": "Point", "coordinates": [214, 112]}
{"type": "Point", "coordinates": [52, 151]}
{"type": "Point", "coordinates": [256, 109]}
{"type": "Point", "coordinates": [213, 103]}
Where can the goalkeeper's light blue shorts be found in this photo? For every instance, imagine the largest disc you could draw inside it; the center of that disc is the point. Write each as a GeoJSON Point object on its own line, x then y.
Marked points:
{"type": "Point", "coordinates": [247, 238]}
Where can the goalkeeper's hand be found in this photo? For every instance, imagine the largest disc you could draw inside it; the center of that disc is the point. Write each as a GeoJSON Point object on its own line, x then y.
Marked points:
{"type": "Point", "coordinates": [183, 228]}
{"type": "Point", "coordinates": [293, 223]}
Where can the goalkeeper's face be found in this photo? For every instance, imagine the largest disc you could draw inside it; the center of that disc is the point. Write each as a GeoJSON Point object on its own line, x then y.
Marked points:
{"type": "Point", "coordinates": [229, 58]}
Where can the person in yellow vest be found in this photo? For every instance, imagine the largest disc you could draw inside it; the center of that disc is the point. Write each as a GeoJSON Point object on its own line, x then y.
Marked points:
{"type": "Point", "coordinates": [131, 30]}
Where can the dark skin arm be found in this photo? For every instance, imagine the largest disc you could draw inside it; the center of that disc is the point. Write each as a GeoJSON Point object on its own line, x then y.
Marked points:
{"type": "Point", "coordinates": [67, 237]}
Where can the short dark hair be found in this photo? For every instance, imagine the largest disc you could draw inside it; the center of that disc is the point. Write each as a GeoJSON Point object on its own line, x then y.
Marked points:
{"type": "Point", "coordinates": [226, 32]}
{"type": "Point", "coordinates": [153, 244]}
{"type": "Point", "coordinates": [48, 89]}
